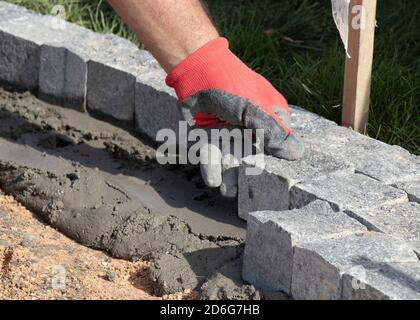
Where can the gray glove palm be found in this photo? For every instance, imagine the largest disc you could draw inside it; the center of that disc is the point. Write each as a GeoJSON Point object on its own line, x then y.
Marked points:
{"type": "Point", "coordinates": [219, 163]}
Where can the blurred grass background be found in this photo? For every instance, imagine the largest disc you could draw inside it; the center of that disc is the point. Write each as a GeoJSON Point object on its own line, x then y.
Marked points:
{"type": "Point", "coordinates": [296, 46]}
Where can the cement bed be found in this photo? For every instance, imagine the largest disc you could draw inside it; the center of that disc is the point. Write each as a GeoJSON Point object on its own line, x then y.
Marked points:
{"type": "Point", "coordinates": [101, 186]}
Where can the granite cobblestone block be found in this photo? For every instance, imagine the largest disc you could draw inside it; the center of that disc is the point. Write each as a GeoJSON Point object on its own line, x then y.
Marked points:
{"type": "Point", "coordinates": [19, 62]}
{"type": "Point", "coordinates": [272, 236]}
{"type": "Point", "coordinates": [347, 192]}
{"type": "Point", "coordinates": [383, 281]}
{"type": "Point", "coordinates": [378, 160]}
{"type": "Point", "coordinates": [62, 78]}
{"type": "Point", "coordinates": [401, 221]}
{"type": "Point", "coordinates": [367, 265]}
{"type": "Point", "coordinates": [270, 190]}
{"type": "Point", "coordinates": [110, 93]}
{"type": "Point", "coordinates": [156, 107]}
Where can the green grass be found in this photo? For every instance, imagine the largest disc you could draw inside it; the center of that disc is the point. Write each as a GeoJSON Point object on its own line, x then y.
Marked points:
{"type": "Point", "coordinates": [296, 46]}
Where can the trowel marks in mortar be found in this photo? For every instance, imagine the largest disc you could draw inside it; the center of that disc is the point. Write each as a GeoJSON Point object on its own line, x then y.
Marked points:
{"type": "Point", "coordinates": [101, 186]}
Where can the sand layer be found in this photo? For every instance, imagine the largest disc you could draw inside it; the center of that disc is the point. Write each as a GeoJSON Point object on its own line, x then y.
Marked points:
{"type": "Point", "coordinates": [38, 262]}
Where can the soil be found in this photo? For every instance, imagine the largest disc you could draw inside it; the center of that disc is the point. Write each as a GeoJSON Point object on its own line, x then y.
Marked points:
{"type": "Point", "coordinates": [34, 257]}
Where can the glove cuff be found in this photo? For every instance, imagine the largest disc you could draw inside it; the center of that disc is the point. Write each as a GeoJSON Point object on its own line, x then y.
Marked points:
{"type": "Point", "coordinates": [189, 77]}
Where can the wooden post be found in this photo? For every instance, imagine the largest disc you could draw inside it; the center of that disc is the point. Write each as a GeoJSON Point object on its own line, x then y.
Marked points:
{"type": "Point", "coordinates": [358, 71]}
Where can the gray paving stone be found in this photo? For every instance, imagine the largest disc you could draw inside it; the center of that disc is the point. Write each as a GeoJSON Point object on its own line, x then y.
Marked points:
{"type": "Point", "coordinates": [142, 91]}
{"type": "Point", "coordinates": [40, 29]}
{"type": "Point", "coordinates": [110, 93]}
{"type": "Point", "coordinates": [270, 189]}
{"type": "Point", "coordinates": [346, 192]}
{"type": "Point", "coordinates": [19, 55]}
{"type": "Point", "coordinates": [383, 281]}
{"type": "Point", "coordinates": [323, 137]}
{"type": "Point", "coordinates": [307, 123]}
{"type": "Point", "coordinates": [390, 164]}
{"type": "Point", "coordinates": [111, 75]}
{"type": "Point", "coordinates": [117, 78]}
{"type": "Point", "coordinates": [19, 62]}
{"type": "Point", "coordinates": [62, 78]}
{"type": "Point", "coordinates": [318, 267]}
{"type": "Point", "coordinates": [64, 68]}
{"type": "Point", "coordinates": [46, 29]}
{"type": "Point", "coordinates": [10, 11]}
{"type": "Point", "coordinates": [401, 221]}
{"type": "Point", "coordinates": [47, 41]}
{"type": "Point", "coordinates": [412, 188]}
{"type": "Point", "coordinates": [156, 106]}
{"type": "Point", "coordinates": [123, 55]}
{"type": "Point", "coordinates": [272, 236]}
{"type": "Point", "coordinates": [127, 78]}
{"type": "Point", "coordinates": [6, 7]}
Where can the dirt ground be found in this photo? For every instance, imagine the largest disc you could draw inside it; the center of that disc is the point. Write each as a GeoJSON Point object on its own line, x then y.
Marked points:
{"type": "Point", "coordinates": [38, 262]}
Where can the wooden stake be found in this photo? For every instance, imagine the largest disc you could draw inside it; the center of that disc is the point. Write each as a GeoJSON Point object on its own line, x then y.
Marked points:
{"type": "Point", "coordinates": [358, 73]}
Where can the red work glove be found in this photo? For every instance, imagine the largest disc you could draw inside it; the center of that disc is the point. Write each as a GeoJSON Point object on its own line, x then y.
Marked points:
{"type": "Point", "coordinates": [213, 73]}
{"type": "Point", "coordinates": [219, 89]}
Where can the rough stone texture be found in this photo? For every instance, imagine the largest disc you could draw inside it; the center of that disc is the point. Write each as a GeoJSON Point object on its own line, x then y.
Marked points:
{"type": "Point", "coordinates": [64, 69]}
{"type": "Point", "coordinates": [308, 123]}
{"type": "Point", "coordinates": [346, 192]}
{"type": "Point", "coordinates": [329, 147]}
{"type": "Point", "coordinates": [272, 236]}
{"type": "Point", "coordinates": [390, 164]}
{"type": "Point", "coordinates": [401, 221]}
{"type": "Point", "coordinates": [270, 190]}
{"type": "Point", "coordinates": [383, 281]}
{"type": "Point", "coordinates": [20, 70]}
{"type": "Point", "coordinates": [319, 266]}
{"type": "Point", "coordinates": [62, 77]}
{"type": "Point", "coordinates": [112, 79]}
{"type": "Point", "coordinates": [380, 207]}
{"type": "Point", "coordinates": [127, 84]}
{"type": "Point", "coordinates": [412, 188]}
{"type": "Point", "coordinates": [110, 93]}
{"type": "Point", "coordinates": [156, 106]}
{"type": "Point", "coordinates": [112, 69]}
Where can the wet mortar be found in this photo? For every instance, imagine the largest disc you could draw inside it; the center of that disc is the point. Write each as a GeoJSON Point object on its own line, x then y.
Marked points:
{"type": "Point", "coordinates": [101, 185]}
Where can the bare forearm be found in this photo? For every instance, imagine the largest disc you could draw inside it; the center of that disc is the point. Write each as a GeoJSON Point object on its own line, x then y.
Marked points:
{"type": "Point", "coordinates": [170, 29]}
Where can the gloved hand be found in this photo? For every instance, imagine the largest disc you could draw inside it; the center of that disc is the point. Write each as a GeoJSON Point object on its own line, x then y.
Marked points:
{"type": "Point", "coordinates": [219, 90]}
{"type": "Point", "coordinates": [221, 156]}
